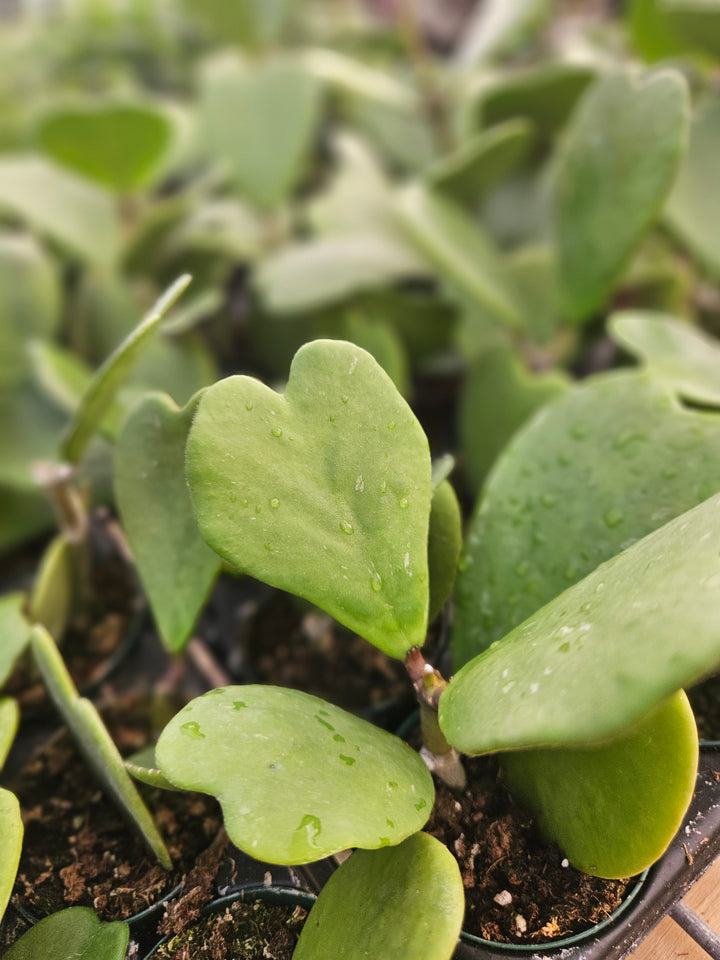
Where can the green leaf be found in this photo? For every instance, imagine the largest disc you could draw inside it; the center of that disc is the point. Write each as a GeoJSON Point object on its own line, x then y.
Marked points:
{"type": "Point", "coordinates": [444, 545]}
{"type": "Point", "coordinates": [314, 274]}
{"type": "Point", "coordinates": [651, 30]}
{"type": "Point", "coordinates": [324, 491]}
{"type": "Point", "coordinates": [356, 78]}
{"type": "Point", "coordinates": [498, 27]}
{"type": "Point", "coordinates": [118, 145]}
{"type": "Point", "coordinates": [11, 836]}
{"type": "Point", "coordinates": [30, 432]}
{"type": "Point", "coordinates": [251, 23]}
{"type": "Point", "coordinates": [482, 160]}
{"type": "Point", "coordinates": [598, 657]}
{"type": "Point", "coordinates": [15, 632]}
{"type": "Point", "coordinates": [72, 934]}
{"type": "Point", "coordinates": [622, 151]}
{"type": "Point", "coordinates": [142, 766]}
{"type": "Point", "coordinates": [382, 341]}
{"type": "Point", "coordinates": [23, 515]}
{"type": "Point", "coordinates": [499, 396]}
{"type": "Point", "coordinates": [94, 741]}
{"type": "Point", "coordinates": [30, 301]}
{"type": "Point", "coordinates": [697, 21]}
{"type": "Point", "coordinates": [693, 208]}
{"type": "Point", "coordinates": [298, 778]}
{"type": "Point", "coordinates": [684, 357]}
{"type": "Point", "coordinates": [51, 598]}
{"type": "Point", "coordinates": [457, 249]}
{"type": "Point", "coordinates": [108, 379]}
{"type": "Point", "coordinates": [404, 902]}
{"type": "Point", "coordinates": [78, 216]}
{"type": "Point", "coordinates": [275, 106]}
{"type": "Point", "coordinates": [176, 567]}
{"type": "Point", "coordinates": [603, 466]}
{"type": "Point", "coordinates": [9, 719]}
{"type": "Point", "coordinates": [613, 808]}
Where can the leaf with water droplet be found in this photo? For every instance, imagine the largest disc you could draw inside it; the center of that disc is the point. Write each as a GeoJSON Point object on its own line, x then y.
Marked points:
{"type": "Point", "coordinates": [288, 796]}
{"type": "Point", "coordinates": [394, 921]}
{"type": "Point", "coordinates": [354, 498]}
{"type": "Point", "coordinates": [176, 566]}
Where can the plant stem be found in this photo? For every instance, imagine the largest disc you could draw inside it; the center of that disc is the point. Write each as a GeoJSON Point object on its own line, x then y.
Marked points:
{"type": "Point", "coordinates": [437, 753]}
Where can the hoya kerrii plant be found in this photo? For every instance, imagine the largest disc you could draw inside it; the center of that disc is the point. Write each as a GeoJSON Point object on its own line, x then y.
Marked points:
{"type": "Point", "coordinates": [326, 490]}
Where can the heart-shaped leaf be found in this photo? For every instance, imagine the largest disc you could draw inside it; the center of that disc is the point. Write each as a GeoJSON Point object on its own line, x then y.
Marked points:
{"type": "Point", "coordinates": [72, 934]}
{"type": "Point", "coordinates": [683, 356]}
{"type": "Point", "coordinates": [275, 106]}
{"type": "Point", "coordinates": [93, 739]}
{"type": "Point", "coordinates": [66, 208]}
{"type": "Point", "coordinates": [30, 301]}
{"type": "Point", "coordinates": [598, 657]}
{"type": "Point", "coordinates": [15, 632]}
{"type": "Point", "coordinates": [176, 566]}
{"type": "Point", "coordinates": [412, 901]}
{"type": "Point", "coordinates": [693, 208]}
{"type": "Point", "coordinates": [324, 491]}
{"type": "Point", "coordinates": [298, 778]}
{"type": "Point", "coordinates": [460, 253]}
{"type": "Point", "coordinates": [603, 466]}
{"type": "Point", "coordinates": [622, 151]}
{"type": "Point", "coordinates": [119, 145]}
{"type": "Point", "coordinates": [11, 836]}
{"type": "Point", "coordinates": [613, 808]}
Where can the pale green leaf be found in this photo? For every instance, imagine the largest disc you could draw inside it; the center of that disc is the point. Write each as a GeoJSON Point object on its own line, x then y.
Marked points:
{"type": "Point", "coordinates": [119, 145]}
{"type": "Point", "coordinates": [9, 719]}
{"type": "Point", "coordinates": [298, 778]}
{"type": "Point", "coordinates": [613, 808]}
{"type": "Point", "coordinates": [458, 250]}
{"type": "Point", "coordinates": [176, 567]}
{"type": "Point", "coordinates": [11, 836]}
{"type": "Point", "coordinates": [594, 660]}
{"type": "Point", "coordinates": [401, 903]}
{"type": "Point", "coordinates": [31, 428]}
{"type": "Point", "coordinates": [50, 600]}
{"type": "Point", "coordinates": [275, 110]}
{"type": "Point", "coordinates": [603, 466]}
{"type": "Point", "coordinates": [15, 632]}
{"type": "Point", "coordinates": [72, 934]}
{"type": "Point", "coordinates": [684, 357]}
{"type": "Point", "coordinates": [251, 23]}
{"type": "Point", "coordinates": [323, 491]}
{"type": "Point", "coordinates": [497, 27]}
{"type": "Point", "coordinates": [350, 76]}
{"type": "Point", "coordinates": [72, 212]}
{"type": "Point", "coordinates": [623, 148]}
{"type": "Point", "coordinates": [444, 545]}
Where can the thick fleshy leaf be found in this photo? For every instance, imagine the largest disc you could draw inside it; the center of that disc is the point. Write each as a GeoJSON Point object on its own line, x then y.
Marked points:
{"type": "Point", "coordinates": [683, 356]}
{"type": "Point", "coordinates": [50, 600]}
{"type": "Point", "coordinates": [11, 836]}
{"type": "Point", "coordinates": [499, 396]}
{"type": "Point", "coordinates": [307, 276]}
{"type": "Point", "coordinates": [603, 466]}
{"type": "Point", "coordinates": [652, 31]}
{"type": "Point", "coordinates": [613, 808]}
{"type": "Point", "coordinates": [622, 151]}
{"type": "Point", "coordinates": [444, 545]}
{"type": "Point", "coordinates": [252, 23]}
{"type": "Point", "coordinates": [323, 491]}
{"type": "Point", "coordinates": [9, 719]}
{"type": "Point", "coordinates": [31, 428]}
{"type": "Point", "coordinates": [693, 208]}
{"type": "Point", "coordinates": [94, 741]}
{"type": "Point", "coordinates": [102, 391]}
{"type": "Point", "coordinates": [298, 778]}
{"type": "Point", "coordinates": [119, 145]}
{"type": "Point", "coordinates": [275, 106]}
{"type": "Point", "coordinates": [459, 252]}
{"type": "Point", "coordinates": [594, 660]}
{"type": "Point", "coordinates": [176, 566]}
{"type": "Point", "coordinates": [72, 934]}
{"type": "Point", "coordinates": [483, 160]}
{"type": "Point", "coordinates": [412, 901]}
{"type": "Point", "coordinates": [15, 632]}
{"type": "Point", "coordinates": [80, 217]}
{"type": "Point", "coordinates": [30, 301]}
{"type": "Point", "coordinates": [697, 21]}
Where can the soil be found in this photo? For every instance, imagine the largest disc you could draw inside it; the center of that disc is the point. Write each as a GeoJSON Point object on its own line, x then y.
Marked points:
{"type": "Point", "coordinates": [518, 889]}
{"type": "Point", "coordinates": [246, 931]}
{"type": "Point", "coordinates": [78, 850]}
{"type": "Point", "coordinates": [705, 702]}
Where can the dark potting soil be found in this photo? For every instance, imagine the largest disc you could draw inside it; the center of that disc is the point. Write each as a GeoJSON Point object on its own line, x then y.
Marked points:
{"type": "Point", "coordinates": [77, 848]}
{"type": "Point", "coordinates": [243, 931]}
{"type": "Point", "coordinates": [705, 702]}
{"type": "Point", "coordinates": [518, 889]}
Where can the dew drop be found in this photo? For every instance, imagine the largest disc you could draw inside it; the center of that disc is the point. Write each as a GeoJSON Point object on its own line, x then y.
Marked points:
{"type": "Point", "coordinates": [391, 425]}
{"type": "Point", "coordinates": [347, 527]}
{"type": "Point", "coordinates": [249, 405]}
{"type": "Point", "coordinates": [404, 503]}
{"type": "Point", "coordinates": [548, 500]}
{"type": "Point", "coordinates": [276, 431]}
{"type": "Point", "coordinates": [376, 583]}
{"type": "Point", "coordinates": [344, 399]}
{"type": "Point", "coordinates": [192, 729]}
{"type": "Point", "coordinates": [239, 705]}
{"type": "Point", "coordinates": [348, 761]}
{"type": "Point", "coordinates": [275, 503]}
{"type": "Point", "coordinates": [312, 826]}
{"type": "Point", "coordinates": [613, 517]}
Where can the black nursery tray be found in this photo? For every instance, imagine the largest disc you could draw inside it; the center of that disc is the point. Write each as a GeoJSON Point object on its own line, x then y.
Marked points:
{"type": "Point", "coordinates": [695, 847]}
